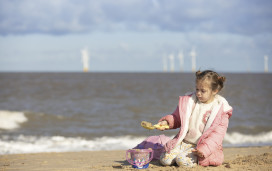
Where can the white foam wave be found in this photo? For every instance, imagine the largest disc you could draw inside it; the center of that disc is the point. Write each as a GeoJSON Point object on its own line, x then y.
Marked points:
{"type": "Point", "coordinates": [32, 144]}
{"type": "Point", "coordinates": [11, 119]}
{"type": "Point", "coordinates": [237, 138]}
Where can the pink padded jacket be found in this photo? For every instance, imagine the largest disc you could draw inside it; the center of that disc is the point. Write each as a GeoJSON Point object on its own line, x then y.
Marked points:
{"type": "Point", "coordinates": [210, 143]}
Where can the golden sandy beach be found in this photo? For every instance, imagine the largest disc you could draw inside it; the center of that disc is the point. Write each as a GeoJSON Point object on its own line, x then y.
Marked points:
{"type": "Point", "coordinates": [243, 158]}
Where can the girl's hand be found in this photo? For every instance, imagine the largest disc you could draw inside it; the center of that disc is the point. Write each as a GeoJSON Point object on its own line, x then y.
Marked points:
{"type": "Point", "coordinates": [198, 153]}
{"type": "Point", "coordinates": [162, 123]}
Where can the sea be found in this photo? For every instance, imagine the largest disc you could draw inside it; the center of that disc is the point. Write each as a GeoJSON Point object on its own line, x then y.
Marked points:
{"type": "Point", "coordinates": [64, 112]}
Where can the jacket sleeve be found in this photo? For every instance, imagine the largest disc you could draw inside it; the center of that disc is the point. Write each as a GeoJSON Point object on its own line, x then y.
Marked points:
{"type": "Point", "coordinates": [173, 119]}
{"type": "Point", "coordinates": [215, 138]}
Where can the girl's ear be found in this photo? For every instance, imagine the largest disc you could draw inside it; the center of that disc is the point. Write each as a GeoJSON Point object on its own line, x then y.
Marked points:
{"type": "Point", "coordinates": [214, 92]}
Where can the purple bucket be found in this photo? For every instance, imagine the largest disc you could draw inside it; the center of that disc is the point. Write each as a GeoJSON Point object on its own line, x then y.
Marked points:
{"type": "Point", "coordinates": [139, 158]}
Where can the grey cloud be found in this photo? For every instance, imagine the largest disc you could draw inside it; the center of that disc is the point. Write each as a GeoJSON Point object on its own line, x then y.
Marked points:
{"type": "Point", "coordinates": [67, 16]}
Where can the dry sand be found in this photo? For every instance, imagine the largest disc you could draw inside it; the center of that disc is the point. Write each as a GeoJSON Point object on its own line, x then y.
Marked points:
{"type": "Point", "coordinates": [243, 158]}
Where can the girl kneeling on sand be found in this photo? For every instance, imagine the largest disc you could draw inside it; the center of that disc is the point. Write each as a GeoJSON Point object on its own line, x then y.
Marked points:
{"type": "Point", "coordinates": [203, 119]}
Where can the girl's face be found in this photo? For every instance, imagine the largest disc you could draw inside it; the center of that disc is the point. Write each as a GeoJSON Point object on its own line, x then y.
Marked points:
{"type": "Point", "coordinates": [204, 92]}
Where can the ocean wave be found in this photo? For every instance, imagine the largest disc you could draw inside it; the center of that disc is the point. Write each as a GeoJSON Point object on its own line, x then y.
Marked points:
{"type": "Point", "coordinates": [237, 138]}
{"type": "Point", "coordinates": [11, 119]}
{"type": "Point", "coordinates": [33, 144]}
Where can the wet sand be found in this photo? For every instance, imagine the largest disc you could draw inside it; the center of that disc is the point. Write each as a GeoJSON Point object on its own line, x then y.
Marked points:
{"type": "Point", "coordinates": [242, 158]}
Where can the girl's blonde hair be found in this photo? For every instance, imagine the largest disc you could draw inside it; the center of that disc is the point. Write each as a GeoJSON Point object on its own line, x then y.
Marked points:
{"type": "Point", "coordinates": [217, 81]}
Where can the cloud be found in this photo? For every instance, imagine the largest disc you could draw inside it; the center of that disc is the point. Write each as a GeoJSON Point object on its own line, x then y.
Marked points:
{"type": "Point", "coordinates": [82, 16]}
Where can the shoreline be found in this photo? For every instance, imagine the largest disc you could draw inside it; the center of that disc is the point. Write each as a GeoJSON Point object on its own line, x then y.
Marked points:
{"type": "Point", "coordinates": [236, 158]}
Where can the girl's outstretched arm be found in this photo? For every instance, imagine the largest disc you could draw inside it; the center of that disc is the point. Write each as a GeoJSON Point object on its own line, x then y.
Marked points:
{"type": "Point", "coordinates": [173, 120]}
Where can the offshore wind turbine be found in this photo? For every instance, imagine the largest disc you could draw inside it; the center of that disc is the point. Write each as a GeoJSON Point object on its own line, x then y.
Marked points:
{"type": "Point", "coordinates": [165, 63]}
{"type": "Point", "coordinates": [172, 62]}
{"type": "Point", "coordinates": [85, 59]}
{"type": "Point", "coordinates": [193, 55]}
{"type": "Point", "coordinates": [181, 60]}
{"type": "Point", "coordinates": [265, 63]}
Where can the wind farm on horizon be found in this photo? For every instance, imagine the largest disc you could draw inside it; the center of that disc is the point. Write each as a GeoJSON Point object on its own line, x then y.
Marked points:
{"type": "Point", "coordinates": [169, 61]}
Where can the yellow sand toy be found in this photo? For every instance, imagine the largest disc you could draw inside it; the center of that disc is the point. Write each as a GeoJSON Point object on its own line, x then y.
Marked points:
{"type": "Point", "coordinates": [148, 125]}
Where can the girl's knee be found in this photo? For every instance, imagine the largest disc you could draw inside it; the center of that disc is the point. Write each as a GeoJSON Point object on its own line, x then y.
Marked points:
{"type": "Point", "coordinates": [166, 162]}
{"type": "Point", "coordinates": [180, 160]}
{"type": "Point", "coordinates": [183, 160]}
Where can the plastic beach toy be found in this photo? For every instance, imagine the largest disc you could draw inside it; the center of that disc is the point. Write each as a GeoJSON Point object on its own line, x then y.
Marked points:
{"type": "Point", "coordinates": [139, 158]}
{"type": "Point", "coordinates": [148, 125]}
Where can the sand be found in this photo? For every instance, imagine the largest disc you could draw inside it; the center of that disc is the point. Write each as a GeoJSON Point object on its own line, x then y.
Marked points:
{"type": "Point", "coordinates": [242, 158]}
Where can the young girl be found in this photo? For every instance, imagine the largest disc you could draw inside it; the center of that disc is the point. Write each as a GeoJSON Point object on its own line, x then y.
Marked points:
{"type": "Point", "coordinates": [203, 119]}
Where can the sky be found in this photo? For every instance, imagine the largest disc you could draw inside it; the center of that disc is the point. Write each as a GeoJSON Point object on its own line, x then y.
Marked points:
{"type": "Point", "coordinates": [135, 35]}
